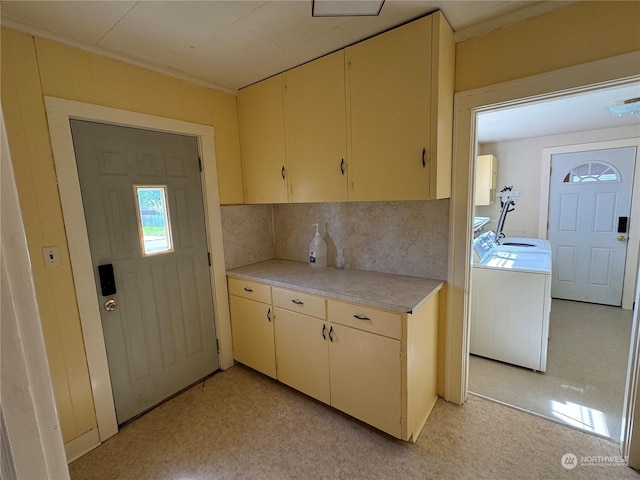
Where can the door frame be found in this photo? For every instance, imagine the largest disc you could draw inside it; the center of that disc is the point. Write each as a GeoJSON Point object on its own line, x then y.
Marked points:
{"type": "Point", "coordinates": [59, 112]}
{"type": "Point", "coordinates": [633, 243]}
{"type": "Point", "coordinates": [589, 76]}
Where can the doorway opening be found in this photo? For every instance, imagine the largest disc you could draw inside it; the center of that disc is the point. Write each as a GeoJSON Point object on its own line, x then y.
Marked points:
{"type": "Point", "coordinates": [587, 345]}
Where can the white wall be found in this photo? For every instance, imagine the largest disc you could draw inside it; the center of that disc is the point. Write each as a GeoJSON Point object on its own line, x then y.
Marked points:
{"type": "Point", "coordinates": [520, 164]}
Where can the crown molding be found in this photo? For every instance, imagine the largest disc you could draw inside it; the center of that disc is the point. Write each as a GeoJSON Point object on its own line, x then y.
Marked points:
{"type": "Point", "coordinates": [95, 49]}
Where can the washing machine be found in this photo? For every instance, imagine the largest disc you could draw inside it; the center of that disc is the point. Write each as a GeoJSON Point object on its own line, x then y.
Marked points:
{"type": "Point", "coordinates": [510, 302]}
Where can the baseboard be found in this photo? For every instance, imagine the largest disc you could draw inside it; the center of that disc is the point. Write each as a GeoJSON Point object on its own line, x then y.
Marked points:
{"type": "Point", "coordinates": [81, 445]}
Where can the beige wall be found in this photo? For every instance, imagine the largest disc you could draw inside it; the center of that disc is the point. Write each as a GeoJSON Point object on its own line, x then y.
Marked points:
{"type": "Point", "coordinates": [33, 67]}
{"type": "Point", "coordinates": [577, 34]}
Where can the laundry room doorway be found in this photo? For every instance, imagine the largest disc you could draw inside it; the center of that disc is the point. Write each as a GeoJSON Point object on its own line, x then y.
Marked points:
{"type": "Point", "coordinates": [588, 344]}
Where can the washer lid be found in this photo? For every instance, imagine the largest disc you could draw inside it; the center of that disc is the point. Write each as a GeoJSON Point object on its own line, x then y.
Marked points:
{"type": "Point", "coordinates": [533, 245]}
{"type": "Point", "coordinates": [518, 261]}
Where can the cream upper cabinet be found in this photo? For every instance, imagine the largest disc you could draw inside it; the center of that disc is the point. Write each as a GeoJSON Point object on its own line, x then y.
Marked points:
{"type": "Point", "coordinates": [373, 121]}
{"type": "Point", "coordinates": [316, 138]}
{"type": "Point", "coordinates": [486, 179]}
{"type": "Point", "coordinates": [262, 142]}
{"type": "Point", "coordinates": [443, 60]}
{"type": "Point", "coordinates": [389, 82]}
{"type": "Point", "coordinates": [400, 112]}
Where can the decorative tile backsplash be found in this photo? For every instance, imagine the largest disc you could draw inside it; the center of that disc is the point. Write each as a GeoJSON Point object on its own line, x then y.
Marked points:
{"type": "Point", "coordinates": [406, 238]}
{"type": "Point", "coordinates": [247, 234]}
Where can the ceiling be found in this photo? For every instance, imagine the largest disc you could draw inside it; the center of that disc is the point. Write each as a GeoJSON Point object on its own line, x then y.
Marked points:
{"type": "Point", "coordinates": [231, 44]}
{"type": "Point", "coordinates": [228, 44]}
{"type": "Point", "coordinates": [567, 114]}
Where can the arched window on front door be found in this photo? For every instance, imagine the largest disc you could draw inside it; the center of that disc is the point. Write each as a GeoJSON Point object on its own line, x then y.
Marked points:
{"type": "Point", "coordinates": [592, 172]}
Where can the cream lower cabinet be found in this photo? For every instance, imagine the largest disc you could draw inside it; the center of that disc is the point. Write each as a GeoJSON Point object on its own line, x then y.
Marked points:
{"type": "Point", "coordinates": [366, 379]}
{"type": "Point", "coordinates": [301, 333]}
{"type": "Point", "coordinates": [302, 353]}
{"type": "Point", "coordinates": [377, 366]}
{"type": "Point", "coordinates": [252, 325]}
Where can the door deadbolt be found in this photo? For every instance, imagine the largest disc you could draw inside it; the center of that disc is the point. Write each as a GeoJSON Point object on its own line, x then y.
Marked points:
{"type": "Point", "coordinates": [110, 305]}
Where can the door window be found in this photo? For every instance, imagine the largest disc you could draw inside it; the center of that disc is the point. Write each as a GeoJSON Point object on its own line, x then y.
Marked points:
{"type": "Point", "coordinates": [154, 226]}
{"type": "Point", "coordinates": [592, 172]}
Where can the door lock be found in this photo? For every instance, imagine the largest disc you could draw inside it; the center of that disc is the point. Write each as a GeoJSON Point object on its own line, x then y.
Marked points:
{"type": "Point", "coordinates": [110, 305]}
{"type": "Point", "coordinates": [621, 238]}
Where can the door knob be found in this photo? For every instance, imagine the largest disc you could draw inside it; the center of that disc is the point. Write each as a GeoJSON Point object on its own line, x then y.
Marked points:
{"type": "Point", "coordinates": [621, 238]}
{"type": "Point", "coordinates": [110, 305]}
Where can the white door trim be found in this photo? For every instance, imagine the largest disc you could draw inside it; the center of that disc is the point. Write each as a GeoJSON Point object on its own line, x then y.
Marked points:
{"type": "Point", "coordinates": [633, 247]}
{"type": "Point", "coordinates": [59, 111]}
{"type": "Point", "coordinates": [610, 71]}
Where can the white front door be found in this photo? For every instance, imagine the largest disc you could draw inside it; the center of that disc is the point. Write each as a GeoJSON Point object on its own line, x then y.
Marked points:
{"type": "Point", "coordinates": [142, 197]}
{"type": "Point", "coordinates": [589, 207]}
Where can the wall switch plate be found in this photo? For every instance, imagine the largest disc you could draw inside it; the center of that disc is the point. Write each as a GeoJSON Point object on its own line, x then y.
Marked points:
{"type": "Point", "coordinates": [511, 193]}
{"type": "Point", "coordinates": [51, 256]}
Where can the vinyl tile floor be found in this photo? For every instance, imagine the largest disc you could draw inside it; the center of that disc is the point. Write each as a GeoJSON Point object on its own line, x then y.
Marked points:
{"type": "Point", "coordinates": [586, 370]}
{"type": "Point", "coordinates": [240, 424]}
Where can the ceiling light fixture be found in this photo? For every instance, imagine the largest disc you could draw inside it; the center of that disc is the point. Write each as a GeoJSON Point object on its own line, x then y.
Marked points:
{"type": "Point", "coordinates": [626, 108]}
{"type": "Point", "coordinates": [346, 8]}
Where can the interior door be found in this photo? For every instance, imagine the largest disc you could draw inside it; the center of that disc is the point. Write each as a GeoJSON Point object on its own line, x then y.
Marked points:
{"type": "Point", "coordinates": [589, 207]}
{"type": "Point", "coordinates": [142, 198]}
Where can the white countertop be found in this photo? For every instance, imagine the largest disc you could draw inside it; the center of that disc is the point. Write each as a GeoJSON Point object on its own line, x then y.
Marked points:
{"type": "Point", "coordinates": [398, 293]}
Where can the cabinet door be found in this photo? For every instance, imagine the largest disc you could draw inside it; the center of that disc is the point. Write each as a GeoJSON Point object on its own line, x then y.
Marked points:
{"type": "Point", "coordinates": [389, 85]}
{"type": "Point", "coordinates": [365, 373]}
{"type": "Point", "coordinates": [314, 109]}
{"type": "Point", "coordinates": [252, 333]}
{"type": "Point", "coordinates": [302, 353]}
{"type": "Point", "coordinates": [261, 120]}
{"type": "Point", "coordinates": [486, 179]}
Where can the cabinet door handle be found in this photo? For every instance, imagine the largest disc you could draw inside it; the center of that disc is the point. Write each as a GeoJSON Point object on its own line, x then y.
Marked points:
{"type": "Point", "coordinates": [362, 317]}
{"type": "Point", "coordinates": [342, 166]}
{"type": "Point", "coordinates": [247, 289]}
{"type": "Point", "coordinates": [269, 314]}
{"type": "Point", "coordinates": [331, 334]}
{"type": "Point", "coordinates": [324, 331]}
{"type": "Point", "coordinates": [282, 172]}
{"type": "Point", "coordinates": [424, 160]}
{"type": "Point", "coordinates": [297, 302]}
